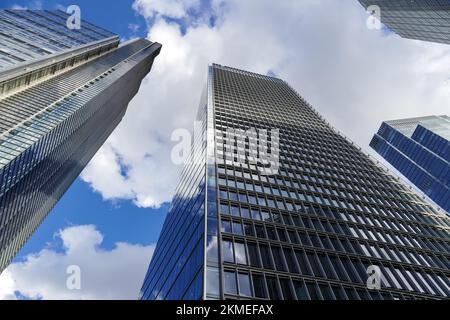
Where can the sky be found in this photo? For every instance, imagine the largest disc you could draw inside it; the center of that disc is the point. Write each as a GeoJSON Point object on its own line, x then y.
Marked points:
{"type": "Point", "coordinates": [109, 220]}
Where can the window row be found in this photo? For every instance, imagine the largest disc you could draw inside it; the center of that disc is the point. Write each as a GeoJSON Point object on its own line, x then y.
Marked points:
{"type": "Point", "coordinates": [329, 266]}
{"type": "Point", "coordinates": [312, 239]}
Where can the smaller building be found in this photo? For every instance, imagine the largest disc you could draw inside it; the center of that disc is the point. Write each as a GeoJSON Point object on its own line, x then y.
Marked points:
{"type": "Point", "coordinates": [426, 20]}
{"type": "Point", "coordinates": [419, 148]}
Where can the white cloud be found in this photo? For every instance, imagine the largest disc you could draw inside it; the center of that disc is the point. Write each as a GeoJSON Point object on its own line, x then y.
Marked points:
{"type": "Point", "coordinates": [105, 274]}
{"type": "Point", "coordinates": [168, 8]}
{"type": "Point", "coordinates": [353, 76]}
{"type": "Point", "coordinates": [133, 27]}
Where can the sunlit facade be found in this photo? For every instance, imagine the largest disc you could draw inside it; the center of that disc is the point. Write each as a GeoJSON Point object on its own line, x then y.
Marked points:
{"type": "Point", "coordinates": [56, 122]}
{"type": "Point", "coordinates": [311, 229]}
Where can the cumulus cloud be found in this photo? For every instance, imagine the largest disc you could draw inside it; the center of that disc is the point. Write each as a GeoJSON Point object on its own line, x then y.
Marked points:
{"type": "Point", "coordinates": [355, 77]}
{"type": "Point", "coordinates": [105, 274]}
{"type": "Point", "coordinates": [167, 8]}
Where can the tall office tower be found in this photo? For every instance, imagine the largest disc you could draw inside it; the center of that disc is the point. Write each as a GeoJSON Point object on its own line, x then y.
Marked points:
{"type": "Point", "coordinates": [304, 218]}
{"type": "Point", "coordinates": [427, 20]}
{"type": "Point", "coordinates": [419, 148]}
{"type": "Point", "coordinates": [62, 92]}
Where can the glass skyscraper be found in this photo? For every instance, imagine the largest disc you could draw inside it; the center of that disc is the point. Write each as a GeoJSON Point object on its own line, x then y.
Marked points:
{"type": "Point", "coordinates": [62, 92]}
{"type": "Point", "coordinates": [419, 148]}
{"type": "Point", "coordinates": [427, 20]}
{"type": "Point", "coordinates": [307, 216]}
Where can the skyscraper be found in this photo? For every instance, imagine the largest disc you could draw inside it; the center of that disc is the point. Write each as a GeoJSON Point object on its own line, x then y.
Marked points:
{"type": "Point", "coordinates": [427, 20]}
{"type": "Point", "coordinates": [419, 148]}
{"type": "Point", "coordinates": [62, 92]}
{"type": "Point", "coordinates": [308, 217]}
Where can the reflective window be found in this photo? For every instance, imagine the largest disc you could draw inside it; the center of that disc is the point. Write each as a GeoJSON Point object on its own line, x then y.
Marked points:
{"type": "Point", "coordinates": [230, 282]}
{"type": "Point", "coordinates": [244, 284]}
{"type": "Point", "coordinates": [241, 256]}
{"type": "Point", "coordinates": [227, 251]}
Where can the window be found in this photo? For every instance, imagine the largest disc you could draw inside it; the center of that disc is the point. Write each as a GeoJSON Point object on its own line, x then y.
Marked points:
{"type": "Point", "coordinates": [235, 211]}
{"type": "Point", "coordinates": [228, 252]}
{"type": "Point", "coordinates": [338, 292]}
{"type": "Point", "coordinates": [315, 265]}
{"type": "Point", "coordinates": [271, 233]}
{"type": "Point", "coordinates": [327, 266]}
{"type": "Point", "coordinates": [256, 214]}
{"type": "Point", "coordinates": [303, 263]}
{"type": "Point", "coordinates": [326, 292]}
{"type": "Point", "coordinates": [249, 231]}
{"type": "Point", "coordinates": [224, 209]}
{"type": "Point", "coordinates": [259, 286]}
{"type": "Point", "coordinates": [260, 231]}
{"type": "Point", "coordinates": [245, 212]}
{"type": "Point", "coordinates": [300, 290]}
{"type": "Point", "coordinates": [226, 226]}
{"type": "Point", "coordinates": [282, 234]}
{"type": "Point", "coordinates": [272, 286]}
{"type": "Point", "coordinates": [253, 255]}
{"type": "Point", "coordinates": [233, 196]}
{"type": "Point", "coordinates": [304, 239]}
{"type": "Point", "coordinates": [286, 289]}
{"type": "Point", "coordinates": [265, 256]}
{"type": "Point", "coordinates": [293, 237]}
{"type": "Point", "coordinates": [230, 282]}
{"type": "Point", "coordinates": [279, 260]}
{"type": "Point", "coordinates": [244, 285]}
{"type": "Point", "coordinates": [237, 228]}
{"type": "Point", "coordinates": [266, 216]}
{"type": "Point", "coordinates": [241, 256]}
{"type": "Point", "coordinates": [290, 260]}
{"type": "Point", "coordinates": [212, 282]}
{"type": "Point", "coordinates": [312, 290]}
{"type": "Point", "coordinates": [341, 274]}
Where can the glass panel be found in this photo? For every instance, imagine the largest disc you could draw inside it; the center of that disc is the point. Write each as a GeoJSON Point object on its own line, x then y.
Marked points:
{"type": "Point", "coordinates": [312, 290]}
{"type": "Point", "coordinates": [237, 228]}
{"type": "Point", "coordinates": [212, 281]}
{"type": "Point", "coordinates": [279, 260]}
{"type": "Point", "coordinates": [226, 226]}
{"type": "Point", "coordinates": [265, 256]}
{"type": "Point", "coordinates": [253, 255]}
{"type": "Point", "coordinates": [241, 256]}
{"type": "Point", "coordinates": [249, 231]}
{"type": "Point", "coordinates": [300, 290]}
{"type": "Point", "coordinates": [326, 292]}
{"type": "Point", "coordinates": [230, 282]}
{"type": "Point", "coordinates": [244, 284]}
{"type": "Point", "coordinates": [272, 286]}
{"type": "Point", "coordinates": [227, 251]}
{"type": "Point", "coordinates": [259, 286]}
{"type": "Point", "coordinates": [286, 289]}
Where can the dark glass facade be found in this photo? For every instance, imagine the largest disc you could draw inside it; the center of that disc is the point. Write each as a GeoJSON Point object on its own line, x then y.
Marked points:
{"type": "Point", "coordinates": [308, 230]}
{"type": "Point", "coordinates": [50, 131]}
{"type": "Point", "coordinates": [427, 20]}
{"type": "Point", "coordinates": [419, 148]}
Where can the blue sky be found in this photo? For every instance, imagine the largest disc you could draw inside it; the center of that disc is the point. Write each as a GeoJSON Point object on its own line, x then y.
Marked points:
{"type": "Point", "coordinates": [117, 220]}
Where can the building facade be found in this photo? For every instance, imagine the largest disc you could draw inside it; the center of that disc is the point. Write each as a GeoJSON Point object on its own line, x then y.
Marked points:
{"type": "Point", "coordinates": [62, 93]}
{"type": "Point", "coordinates": [419, 148]}
{"type": "Point", "coordinates": [427, 20]}
{"type": "Point", "coordinates": [308, 217]}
